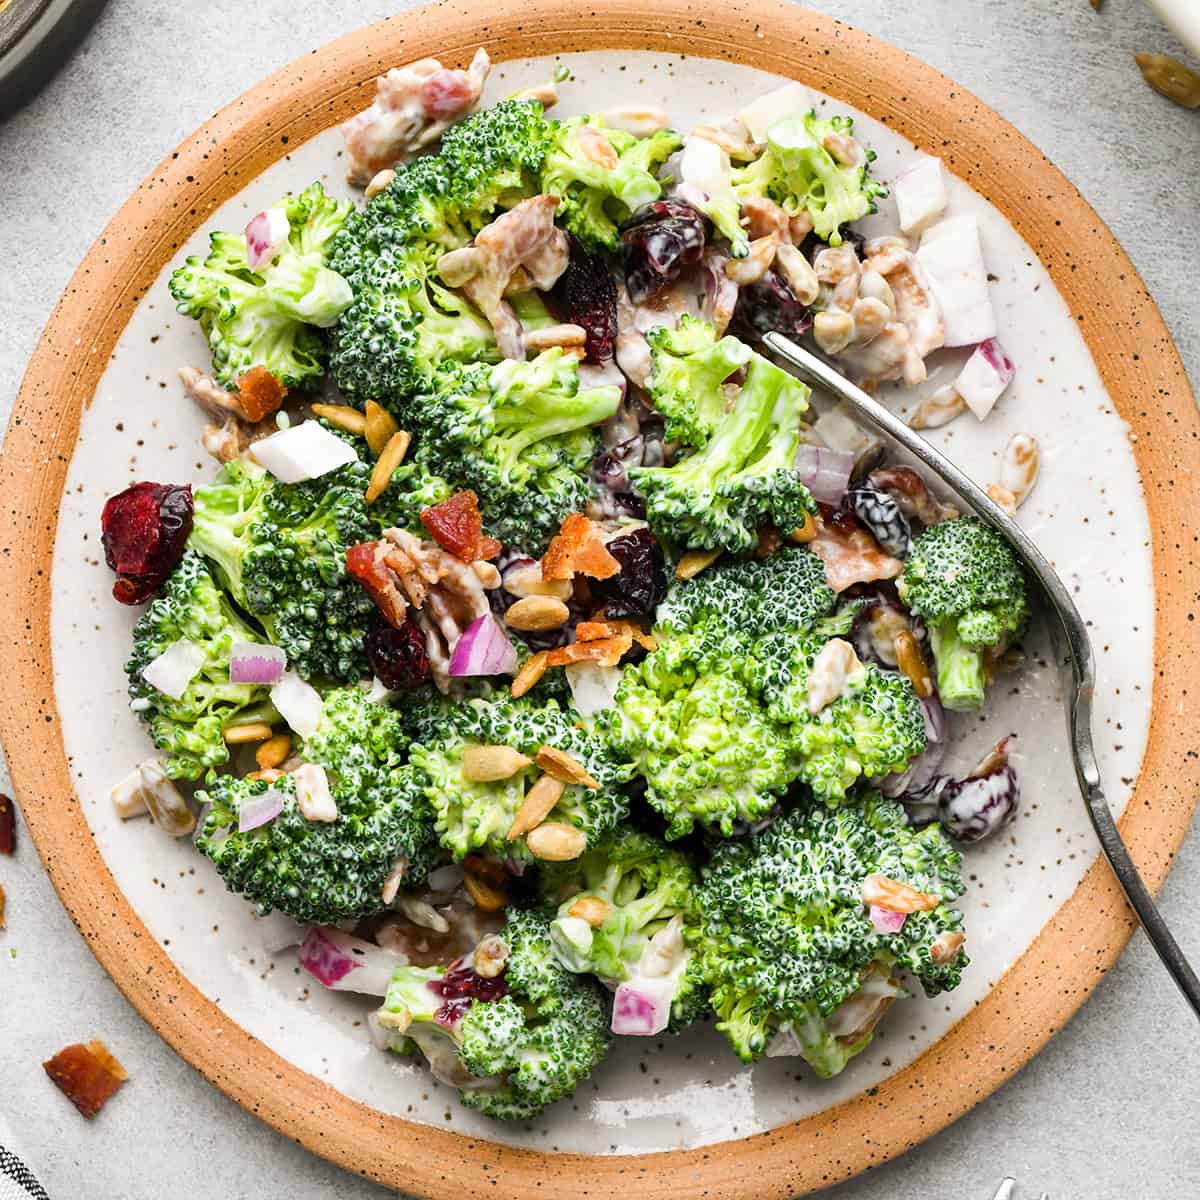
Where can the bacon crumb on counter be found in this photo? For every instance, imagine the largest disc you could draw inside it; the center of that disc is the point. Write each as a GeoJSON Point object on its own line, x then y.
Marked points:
{"type": "Point", "coordinates": [88, 1075]}
{"type": "Point", "coordinates": [8, 826]}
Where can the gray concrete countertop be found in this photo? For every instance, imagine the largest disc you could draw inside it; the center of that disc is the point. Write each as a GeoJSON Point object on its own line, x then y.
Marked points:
{"type": "Point", "coordinates": [1107, 1112]}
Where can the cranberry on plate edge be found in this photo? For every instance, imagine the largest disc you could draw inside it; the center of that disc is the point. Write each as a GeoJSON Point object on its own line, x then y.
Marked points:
{"type": "Point", "coordinates": [144, 530]}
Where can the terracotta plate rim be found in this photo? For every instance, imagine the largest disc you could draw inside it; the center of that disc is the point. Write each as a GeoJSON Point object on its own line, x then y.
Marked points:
{"type": "Point", "coordinates": [1136, 361]}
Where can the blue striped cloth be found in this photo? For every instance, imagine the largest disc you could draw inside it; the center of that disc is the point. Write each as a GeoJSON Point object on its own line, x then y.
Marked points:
{"type": "Point", "coordinates": [17, 1181]}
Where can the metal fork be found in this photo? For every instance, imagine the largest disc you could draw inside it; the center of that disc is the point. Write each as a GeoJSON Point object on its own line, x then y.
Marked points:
{"type": "Point", "coordinates": [1070, 634]}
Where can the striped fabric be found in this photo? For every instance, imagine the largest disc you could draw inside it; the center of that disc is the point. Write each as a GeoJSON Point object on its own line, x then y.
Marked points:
{"type": "Point", "coordinates": [16, 1179]}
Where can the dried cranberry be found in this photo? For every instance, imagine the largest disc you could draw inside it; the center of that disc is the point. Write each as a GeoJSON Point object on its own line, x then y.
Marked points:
{"type": "Point", "coordinates": [642, 583]}
{"type": "Point", "coordinates": [586, 295]}
{"type": "Point", "coordinates": [397, 656]}
{"type": "Point", "coordinates": [769, 306]}
{"type": "Point", "coordinates": [144, 530]}
{"type": "Point", "coordinates": [882, 516]}
{"type": "Point", "coordinates": [460, 987]}
{"type": "Point", "coordinates": [661, 239]}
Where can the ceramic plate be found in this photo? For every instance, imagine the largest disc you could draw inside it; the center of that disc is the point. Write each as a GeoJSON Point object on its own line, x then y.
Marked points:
{"type": "Point", "coordinates": [1098, 384]}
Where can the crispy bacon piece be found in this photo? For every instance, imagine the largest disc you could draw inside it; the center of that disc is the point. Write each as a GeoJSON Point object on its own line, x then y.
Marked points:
{"type": "Point", "coordinates": [367, 563]}
{"type": "Point", "coordinates": [8, 826]}
{"type": "Point", "coordinates": [260, 392]}
{"type": "Point", "coordinates": [578, 549]}
{"type": "Point", "coordinates": [457, 526]}
{"type": "Point", "coordinates": [851, 555]}
{"type": "Point", "coordinates": [598, 629]}
{"type": "Point", "coordinates": [87, 1075]}
{"type": "Point", "coordinates": [608, 651]}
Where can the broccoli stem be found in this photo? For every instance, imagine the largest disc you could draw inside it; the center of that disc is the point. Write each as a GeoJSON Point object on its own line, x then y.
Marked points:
{"type": "Point", "coordinates": [961, 678]}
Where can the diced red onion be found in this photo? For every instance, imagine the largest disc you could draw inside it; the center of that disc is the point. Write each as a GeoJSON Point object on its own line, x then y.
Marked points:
{"type": "Point", "coordinates": [484, 649]}
{"type": "Point", "coordinates": [984, 377]}
{"type": "Point", "coordinates": [256, 662]}
{"type": "Point", "coordinates": [346, 963]}
{"type": "Point", "coordinates": [825, 472]}
{"type": "Point", "coordinates": [886, 921]}
{"type": "Point", "coordinates": [176, 667]}
{"type": "Point", "coordinates": [593, 686]}
{"type": "Point", "coordinates": [642, 1007]}
{"type": "Point", "coordinates": [259, 810]}
{"type": "Point", "coordinates": [299, 703]}
{"type": "Point", "coordinates": [265, 234]}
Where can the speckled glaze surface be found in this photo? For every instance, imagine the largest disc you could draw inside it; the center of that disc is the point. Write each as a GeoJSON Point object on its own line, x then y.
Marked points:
{"type": "Point", "coordinates": [298, 1059]}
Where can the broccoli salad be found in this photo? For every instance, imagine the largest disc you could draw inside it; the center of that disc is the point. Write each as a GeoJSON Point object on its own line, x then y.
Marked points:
{"type": "Point", "coordinates": [549, 657]}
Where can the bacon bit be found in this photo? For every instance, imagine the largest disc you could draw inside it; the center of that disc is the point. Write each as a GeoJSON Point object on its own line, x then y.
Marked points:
{"type": "Point", "coordinates": [366, 563]}
{"type": "Point", "coordinates": [593, 631]}
{"type": "Point", "coordinates": [851, 555]}
{"type": "Point", "coordinates": [260, 392]}
{"type": "Point", "coordinates": [88, 1075]}
{"type": "Point", "coordinates": [608, 652]}
{"type": "Point", "coordinates": [577, 549]}
{"type": "Point", "coordinates": [457, 526]}
{"type": "Point", "coordinates": [8, 826]}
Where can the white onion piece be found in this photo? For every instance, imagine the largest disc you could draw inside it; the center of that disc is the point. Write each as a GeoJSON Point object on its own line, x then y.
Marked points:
{"type": "Point", "coordinates": [256, 662]}
{"type": "Point", "coordinates": [825, 472]}
{"type": "Point", "coordinates": [176, 667]}
{"type": "Point", "coordinates": [593, 686]}
{"type": "Point", "coordinates": [346, 963]}
{"type": "Point", "coordinates": [259, 810]}
{"type": "Point", "coordinates": [484, 649]}
{"type": "Point", "coordinates": [300, 452]}
{"type": "Point", "coordinates": [952, 256]}
{"type": "Point", "coordinates": [838, 429]}
{"type": "Point", "coordinates": [705, 167]}
{"type": "Point", "coordinates": [642, 1007]}
{"type": "Point", "coordinates": [920, 194]}
{"type": "Point", "coordinates": [985, 376]}
{"type": "Point", "coordinates": [265, 234]}
{"type": "Point", "coordinates": [784, 1043]}
{"type": "Point", "coordinates": [760, 114]}
{"type": "Point", "coordinates": [299, 704]}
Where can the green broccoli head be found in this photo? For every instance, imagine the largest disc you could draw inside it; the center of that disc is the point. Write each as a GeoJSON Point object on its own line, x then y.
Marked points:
{"type": "Point", "coordinates": [519, 434]}
{"type": "Point", "coordinates": [602, 176]}
{"type": "Point", "coordinates": [786, 939]}
{"type": "Point", "coordinates": [267, 317]}
{"type": "Point", "coordinates": [876, 726]}
{"type": "Point", "coordinates": [692, 728]}
{"type": "Point", "coordinates": [477, 816]}
{"type": "Point", "coordinates": [743, 478]}
{"type": "Point", "coordinates": [964, 581]}
{"type": "Point", "coordinates": [191, 607]}
{"type": "Point", "coordinates": [280, 549]}
{"type": "Point", "coordinates": [786, 590]}
{"type": "Point", "coordinates": [323, 872]}
{"type": "Point", "coordinates": [688, 368]}
{"type": "Point", "coordinates": [402, 322]}
{"type": "Point", "coordinates": [515, 1043]}
{"type": "Point", "coordinates": [801, 171]}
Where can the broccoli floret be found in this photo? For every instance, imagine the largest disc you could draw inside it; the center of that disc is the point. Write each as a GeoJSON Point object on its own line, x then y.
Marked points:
{"type": "Point", "coordinates": [280, 549]}
{"type": "Point", "coordinates": [963, 579]}
{"type": "Point", "coordinates": [595, 196]}
{"type": "Point", "coordinates": [786, 590]}
{"type": "Point", "coordinates": [799, 173]}
{"type": "Point", "coordinates": [688, 367]}
{"type": "Point", "coordinates": [266, 317]}
{"type": "Point", "coordinates": [786, 938]}
{"type": "Point", "coordinates": [515, 1053]}
{"type": "Point", "coordinates": [697, 734]}
{"type": "Point", "coordinates": [324, 872]}
{"type": "Point", "coordinates": [876, 726]}
{"type": "Point", "coordinates": [473, 816]}
{"type": "Point", "coordinates": [744, 477]}
{"type": "Point", "coordinates": [402, 321]}
{"type": "Point", "coordinates": [649, 893]}
{"type": "Point", "coordinates": [519, 434]}
{"type": "Point", "coordinates": [191, 607]}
